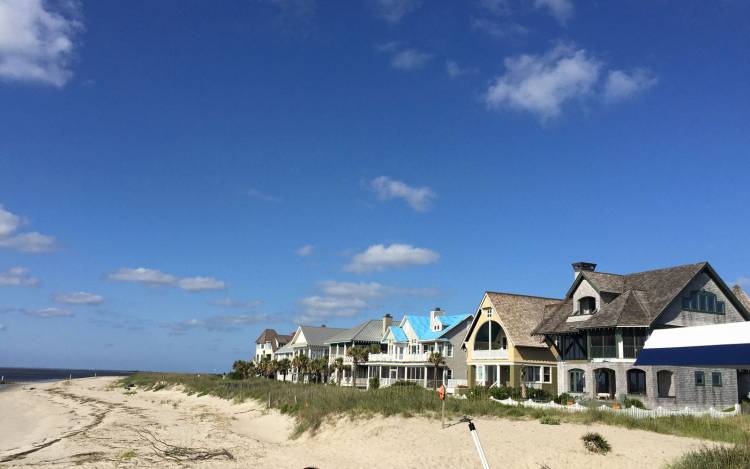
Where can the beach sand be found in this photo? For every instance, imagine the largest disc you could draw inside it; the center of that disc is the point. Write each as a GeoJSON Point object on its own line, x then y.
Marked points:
{"type": "Point", "coordinates": [90, 423]}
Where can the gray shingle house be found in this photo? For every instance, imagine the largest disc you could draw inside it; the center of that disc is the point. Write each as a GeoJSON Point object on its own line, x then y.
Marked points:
{"type": "Point", "coordinates": [362, 335]}
{"type": "Point", "coordinates": [600, 326]}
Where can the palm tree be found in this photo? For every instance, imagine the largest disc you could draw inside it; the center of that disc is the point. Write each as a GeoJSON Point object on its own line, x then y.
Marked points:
{"type": "Point", "coordinates": [318, 367]}
{"type": "Point", "coordinates": [436, 358]}
{"type": "Point", "coordinates": [359, 355]}
{"type": "Point", "coordinates": [283, 366]}
{"type": "Point", "coordinates": [338, 365]}
{"type": "Point", "coordinates": [301, 363]}
{"type": "Point", "coordinates": [523, 382]}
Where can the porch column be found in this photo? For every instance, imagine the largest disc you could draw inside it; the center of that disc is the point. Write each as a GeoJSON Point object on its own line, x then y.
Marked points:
{"type": "Point", "coordinates": [425, 377]}
{"type": "Point", "coordinates": [367, 384]}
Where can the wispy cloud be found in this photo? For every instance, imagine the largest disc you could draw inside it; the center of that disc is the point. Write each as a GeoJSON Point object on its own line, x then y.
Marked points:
{"type": "Point", "coordinates": [78, 298]}
{"type": "Point", "coordinates": [418, 198]}
{"type": "Point", "coordinates": [379, 257]}
{"type": "Point", "coordinates": [561, 10]}
{"type": "Point", "coordinates": [410, 59]}
{"type": "Point", "coordinates": [238, 304]}
{"type": "Point", "coordinates": [622, 85]}
{"type": "Point", "coordinates": [346, 299]}
{"type": "Point", "coordinates": [155, 277]}
{"type": "Point", "coordinates": [18, 277]}
{"type": "Point", "coordinates": [393, 11]}
{"type": "Point", "coordinates": [47, 313]}
{"type": "Point", "coordinates": [543, 84]}
{"type": "Point", "coordinates": [500, 29]}
{"type": "Point", "coordinates": [9, 223]}
{"type": "Point", "coordinates": [306, 250]}
{"type": "Point", "coordinates": [454, 70]}
{"type": "Point", "coordinates": [260, 195]}
{"type": "Point", "coordinates": [37, 42]}
{"type": "Point", "coordinates": [217, 323]}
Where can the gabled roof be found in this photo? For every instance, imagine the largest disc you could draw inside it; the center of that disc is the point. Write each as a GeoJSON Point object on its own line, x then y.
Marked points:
{"type": "Point", "coordinates": [285, 349]}
{"type": "Point", "coordinates": [368, 331]}
{"type": "Point", "coordinates": [316, 335]}
{"type": "Point", "coordinates": [267, 335]}
{"type": "Point", "coordinates": [642, 298]}
{"type": "Point", "coordinates": [421, 325]}
{"type": "Point", "coordinates": [519, 315]}
{"type": "Point", "coordinates": [284, 338]}
{"type": "Point", "coordinates": [398, 334]}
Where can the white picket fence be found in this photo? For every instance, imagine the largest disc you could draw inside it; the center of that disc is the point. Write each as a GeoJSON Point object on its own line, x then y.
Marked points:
{"type": "Point", "coordinates": [631, 411]}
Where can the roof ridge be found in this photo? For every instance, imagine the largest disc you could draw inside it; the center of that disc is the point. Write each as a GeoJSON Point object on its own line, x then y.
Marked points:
{"type": "Point", "coordinates": [523, 295]}
{"type": "Point", "coordinates": [694, 264]}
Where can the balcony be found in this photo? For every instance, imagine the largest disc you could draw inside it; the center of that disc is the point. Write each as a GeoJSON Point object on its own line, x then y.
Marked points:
{"type": "Point", "coordinates": [399, 357]}
{"type": "Point", "coordinates": [497, 354]}
{"type": "Point", "coordinates": [347, 358]}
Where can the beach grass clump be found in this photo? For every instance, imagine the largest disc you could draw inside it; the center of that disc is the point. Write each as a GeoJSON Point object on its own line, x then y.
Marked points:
{"type": "Point", "coordinates": [549, 420]}
{"type": "Point", "coordinates": [596, 443]}
{"type": "Point", "coordinates": [719, 457]}
{"type": "Point", "coordinates": [313, 404]}
{"type": "Point", "coordinates": [129, 454]}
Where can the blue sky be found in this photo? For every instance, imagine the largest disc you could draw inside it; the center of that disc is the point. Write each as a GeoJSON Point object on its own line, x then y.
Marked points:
{"type": "Point", "coordinates": [175, 177]}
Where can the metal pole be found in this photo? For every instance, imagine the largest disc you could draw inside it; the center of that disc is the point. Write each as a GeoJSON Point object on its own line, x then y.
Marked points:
{"type": "Point", "coordinates": [478, 444]}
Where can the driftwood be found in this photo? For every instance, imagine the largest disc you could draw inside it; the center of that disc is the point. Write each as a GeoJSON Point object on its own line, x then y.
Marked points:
{"type": "Point", "coordinates": [181, 453]}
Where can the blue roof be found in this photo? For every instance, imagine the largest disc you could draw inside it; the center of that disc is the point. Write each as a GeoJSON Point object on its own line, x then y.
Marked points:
{"type": "Point", "coordinates": [421, 326]}
{"type": "Point", "coordinates": [398, 334]}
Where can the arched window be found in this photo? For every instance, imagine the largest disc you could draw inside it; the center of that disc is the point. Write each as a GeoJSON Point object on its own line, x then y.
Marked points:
{"type": "Point", "coordinates": [577, 380]}
{"type": "Point", "coordinates": [587, 305]}
{"type": "Point", "coordinates": [636, 382]}
{"type": "Point", "coordinates": [665, 383]}
{"type": "Point", "coordinates": [490, 336]}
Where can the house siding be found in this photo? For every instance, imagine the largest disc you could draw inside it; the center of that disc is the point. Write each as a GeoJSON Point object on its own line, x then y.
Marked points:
{"type": "Point", "coordinates": [457, 363]}
{"type": "Point", "coordinates": [674, 315]}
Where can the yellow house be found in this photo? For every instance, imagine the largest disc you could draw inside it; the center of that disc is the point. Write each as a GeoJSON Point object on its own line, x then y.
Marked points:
{"type": "Point", "coordinates": [500, 348]}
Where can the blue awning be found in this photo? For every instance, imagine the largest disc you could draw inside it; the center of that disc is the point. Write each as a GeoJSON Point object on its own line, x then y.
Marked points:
{"type": "Point", "coordinates": [716, 346]}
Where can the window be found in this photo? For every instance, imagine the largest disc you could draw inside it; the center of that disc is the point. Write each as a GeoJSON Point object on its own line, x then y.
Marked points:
{"type": "Point", "coordinates": [664, 383]}
{"type": "Point", "coordinates": [489, 336]}
{"type": "Point", "coordinates": [603, 344]}
{"type": "Point", "coordinates": [703, 302]}
{"type": "Point", "coordinates": [587, 305]}
{"type": "Point", "coordinates": [532, 374]}
{"type": "Point", "coordinates": [716, 378]}
{"type": "Point", "coordinates": [572, 347]}
{"type": "Point", "coordinates": [480, 374]}
{"type": "Point", "coordinates": [636, 382]}
{"type": "Point", "coordinates": [632, 341]}
{"type": "Point", "coordinates": [547, 372]}
{"type": "Point", "coordinates": [577, 380]}
{"type": "Point", "coordinates": [448, 350]}
{"type": "Point", "coordinates": [700, 378]}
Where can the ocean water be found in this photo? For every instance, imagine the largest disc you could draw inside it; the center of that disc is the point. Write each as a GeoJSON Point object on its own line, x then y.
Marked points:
{"type": "Point", "coordinates": [31, 375]}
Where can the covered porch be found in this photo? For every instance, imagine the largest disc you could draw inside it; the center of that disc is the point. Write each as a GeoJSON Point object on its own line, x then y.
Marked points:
{"type": "Point", "coordinates": [423, 375]}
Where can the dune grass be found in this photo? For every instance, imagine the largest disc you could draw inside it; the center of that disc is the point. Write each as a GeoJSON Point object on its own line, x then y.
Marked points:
{"type": "Point", "coordinates": [311, 404]}
{"type": "Point", "coordinates": [734, 457]}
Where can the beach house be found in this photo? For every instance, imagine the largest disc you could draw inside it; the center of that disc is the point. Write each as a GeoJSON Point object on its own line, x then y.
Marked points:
{"type": "Point", "coordinates": [307, 341]}
{"type": "Point", "coordinates": [500, 347]}
{"type": "Point", "coordinates": [409, 343]}
{"type": "Point", "coordinates": [267, 343]}
{"type": "Point", "coordinates": [599, 328]}
{"type": "Point", "coordinates": [366, 334]}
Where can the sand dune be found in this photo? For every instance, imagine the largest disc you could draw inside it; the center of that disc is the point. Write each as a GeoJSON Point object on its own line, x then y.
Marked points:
{"type": "Point", "coordinates": [91, 423]}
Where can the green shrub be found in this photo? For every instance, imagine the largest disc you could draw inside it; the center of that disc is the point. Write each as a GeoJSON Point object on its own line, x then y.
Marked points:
{"type": "Point", "coordinates": [564, 398]}
{"type": "Point", "coordinates": [539, 395]}
{"type": "Point", "coordinates": [721, 457]}
{"type": "Point", "coordinates": [595, 443]}
{"type": "Point", "coordinates": [478, 392]}
{"type": "Point", "coordinates": [501, 392]}
{"type": "Point", "coordinates": [549, 420]}
{"type": "Point", "coordinates": [404, 383]}
{"type": "Point", "coordinates": [633, 402]}
{"type": "Point", "coordinates": [374, 382]}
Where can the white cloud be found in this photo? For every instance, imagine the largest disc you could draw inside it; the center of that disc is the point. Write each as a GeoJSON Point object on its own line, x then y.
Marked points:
{"type": "Point", "coordinates": [317, 307]}
{"type": "Point", "coordinates": [306, 250]}
{"type": "Point", "coordinates": [496, 7]}
{"type": "Point", "coordinates": [47, 313]}
{"type": "Point", "coordinates": [393, 11]}
{"type": "Point", "coordinates": [498, 29]}
{"type": "Point", "coordinates": [142, 275]}
{"type": "Point", "coordinates": [419, 198]}
{"type": "Point", "coordinates": [260, 195]}
{"type": "Point", "coordinates": [352, 289]}
{"type": "Point", "coordinates": [232, 303]}
{"type": "Point", "coordinates": [621, 85]}
{"type": "Point", "coordinates": [36, 43]}
{"type": "Point", "coordinates": [379, 257]}
{"type": "Point", "coordinates": [18, 277]}
{"type": "Point", "coordinates": [541, 84]}
{"type": "Point", "coordinates": [79, 298]}
{"type": "Point", "coordinates": [200, 284]}
{"type": "Point", "coordinates": [454, 70]}
{"type": "Point", "coordinates": [410, 59]}
{"type": "Point", "coordinates": [25, 242]}
{"type": "Point", "coordinates": [562, 10]}
{"type": "Point", "coordinates": [218, 323]}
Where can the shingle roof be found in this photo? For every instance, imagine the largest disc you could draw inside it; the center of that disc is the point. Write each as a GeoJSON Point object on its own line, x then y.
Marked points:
{"type": "Point", "coordinates": [319, 335]}
{"type": "Point", "coordinates": [266, 336]}
{"type": "Point", "coordinates": [741, 295]}
{"type": "Point", "coordinates": [644, 296]}
{"type": "Point", "coordinates": [519, 315]}
{"type": "Point", "coordinates": [368, 331]}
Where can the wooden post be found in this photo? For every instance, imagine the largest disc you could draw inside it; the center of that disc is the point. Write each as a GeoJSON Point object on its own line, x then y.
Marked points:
{"type": "Point", "coordinates": [269, 399]}
{"type": "Point", "coordinates": [442, 412]}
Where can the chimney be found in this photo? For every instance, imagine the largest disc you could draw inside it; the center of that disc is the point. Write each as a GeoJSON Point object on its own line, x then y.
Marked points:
{"type": "Point", "coordinates": [434, 314]}
{"type": "Point", "coordinates": [579, 267]}
{"type": "Point", "coordinates": [387, 321]}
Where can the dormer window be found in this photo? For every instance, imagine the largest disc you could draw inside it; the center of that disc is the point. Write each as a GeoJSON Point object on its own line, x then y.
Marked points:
{"type": "Point", "coordinates": [587, 305]}
{"type": "Point", "coordinates": [703, 302]}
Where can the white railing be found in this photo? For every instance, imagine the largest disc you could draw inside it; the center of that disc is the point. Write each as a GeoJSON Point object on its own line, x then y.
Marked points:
{"type": "Point", "coordinates": [630, 411]}
{"type": "Point", "coordinates": [347, 358]}
{"type": "Point", "coordinates": [398, 357]}
{"type": "Point", "coordinates": [454, 383]}
{"type": "Point", "coordinates": [488, 354]}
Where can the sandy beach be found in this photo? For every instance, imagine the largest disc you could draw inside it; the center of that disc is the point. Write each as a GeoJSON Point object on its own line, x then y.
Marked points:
{"type": "Point", "coordinates": [91, 423]}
